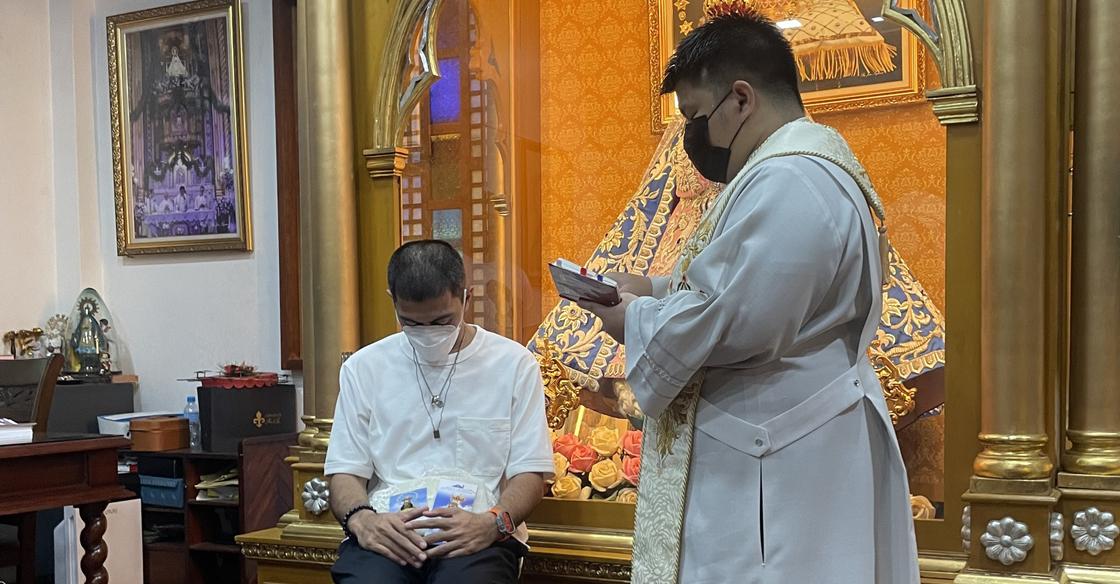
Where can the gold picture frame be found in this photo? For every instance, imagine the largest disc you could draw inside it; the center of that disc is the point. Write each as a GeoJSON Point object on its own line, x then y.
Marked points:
{"type": "Point", "coordinates": [177, 113]}
{"type": "Point", "coordinates": [670, 19]}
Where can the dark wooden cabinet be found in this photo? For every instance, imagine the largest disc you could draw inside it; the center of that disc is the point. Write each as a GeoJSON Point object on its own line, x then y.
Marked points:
{"type": "Point", "coordinates": [205, 552]}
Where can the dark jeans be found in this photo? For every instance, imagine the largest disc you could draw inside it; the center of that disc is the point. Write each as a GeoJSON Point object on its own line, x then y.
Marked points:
{"type": "Point", "coordinates": [498, 564]}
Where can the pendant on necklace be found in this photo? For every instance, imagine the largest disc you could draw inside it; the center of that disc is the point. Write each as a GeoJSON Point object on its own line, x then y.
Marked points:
{"type": "Point", "coordinates": [435, 434]}
{"type": "Point", "coordinates": [437, 401]}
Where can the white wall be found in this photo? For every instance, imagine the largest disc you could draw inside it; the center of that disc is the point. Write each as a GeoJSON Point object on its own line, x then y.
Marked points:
{"type": "Point", "coordinates": [175, 314]}
{"type": "Point", "coordinates": [27, 229]}
{"type": "Point", "coordinates": [180, 314]}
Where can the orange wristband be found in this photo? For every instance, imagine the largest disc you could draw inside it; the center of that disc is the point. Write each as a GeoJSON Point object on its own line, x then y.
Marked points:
{"type": "Point", "coordinates": [504, 522]}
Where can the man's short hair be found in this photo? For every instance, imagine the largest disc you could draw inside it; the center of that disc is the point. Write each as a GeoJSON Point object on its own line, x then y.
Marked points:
{"type": "Point", "coordinates": [727, 48]}
{"type": "Point", "coordinates": [426, 269]}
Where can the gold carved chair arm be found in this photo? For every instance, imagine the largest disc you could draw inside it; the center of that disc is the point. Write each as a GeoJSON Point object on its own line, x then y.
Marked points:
{"type": "Point", "coordinates": [561, 395]}
{"type": "Point", "coordinates": [900, 399]}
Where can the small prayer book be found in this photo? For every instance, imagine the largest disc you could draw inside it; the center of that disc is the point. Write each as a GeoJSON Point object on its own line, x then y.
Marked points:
{"type": "Point", "coordinates": [577, 283]}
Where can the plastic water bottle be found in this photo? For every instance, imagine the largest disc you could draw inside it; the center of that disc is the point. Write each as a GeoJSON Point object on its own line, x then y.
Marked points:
{"type": "Point", "coordinates": [191, 412]}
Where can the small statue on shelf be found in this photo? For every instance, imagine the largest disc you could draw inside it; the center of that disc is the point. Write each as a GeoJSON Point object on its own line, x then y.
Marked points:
{"type": "Point", "coordinates": [24, 344]}
{"type": "Point", "coordinates": [55, 339]}
{"type": "Point", "coordinates": [88, 340]}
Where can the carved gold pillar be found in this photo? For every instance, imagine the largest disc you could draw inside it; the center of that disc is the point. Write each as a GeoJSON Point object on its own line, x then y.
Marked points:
{"type": "Point", "coordinates": [384, 97]}
{"type": "Point", "coordinates": [1012, 495]}
{"type": "Point", "coordinates": [380, 199]}
{"type": "Point", "coordinates": [328, 205]}
{"type": "Point", "coordinates": [1090, 481]}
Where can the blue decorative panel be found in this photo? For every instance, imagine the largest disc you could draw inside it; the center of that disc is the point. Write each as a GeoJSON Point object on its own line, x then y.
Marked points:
{"type": "Point", "coordinates": [445, 103]}
{"type": "Point", "coordinates": [447, 225]}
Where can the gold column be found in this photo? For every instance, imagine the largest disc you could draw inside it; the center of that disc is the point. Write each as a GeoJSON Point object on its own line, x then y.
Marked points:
{"type": "Point", "coordinates": [1094, 393]}
{"type": "Point", "coordinates": [1012, 493]}
{"type": "Point", "coordinates": [1090, 481]}
{"type": "Point", "coordinates": [1013, 216]}
{"type": "Point", "coordinates": [382, 42]}
{"type": "Point", "coordinates": [328, 205]}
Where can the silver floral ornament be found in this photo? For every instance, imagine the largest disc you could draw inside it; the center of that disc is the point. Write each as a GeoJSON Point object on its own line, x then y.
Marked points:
{"type": "Point", "coordinates": [316, 496]}
{"type": "Point", "coordinates": [1007, 541]}
{"type": "Point", "coordinates": [966, 528]}
{"type": "Point", "coordinates": [1057, 531]}
{"type": "Point", "coordinates": [1094, 531]}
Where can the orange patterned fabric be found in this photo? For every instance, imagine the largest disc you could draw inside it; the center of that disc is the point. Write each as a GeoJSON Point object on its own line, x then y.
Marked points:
{"type": "Point", "coordinates": [595, 120]}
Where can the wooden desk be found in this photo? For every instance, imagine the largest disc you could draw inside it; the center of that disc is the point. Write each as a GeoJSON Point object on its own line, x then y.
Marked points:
{"type": "Point", "coordinates": [56, 470]}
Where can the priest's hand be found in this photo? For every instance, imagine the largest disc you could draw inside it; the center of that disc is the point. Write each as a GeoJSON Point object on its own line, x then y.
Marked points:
{"type": "Point", "coordinates": [386, 534]}
{"type": "Point", "coordinates": [613, 317]}
{"type": "Point", "coordinates": [462, 533]}
{"type": "Point", "coordinates": [631, 283]}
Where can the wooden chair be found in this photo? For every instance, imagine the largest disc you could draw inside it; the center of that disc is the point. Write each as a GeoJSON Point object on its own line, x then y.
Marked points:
{"type": "Point", "coordinates": [26, 393]}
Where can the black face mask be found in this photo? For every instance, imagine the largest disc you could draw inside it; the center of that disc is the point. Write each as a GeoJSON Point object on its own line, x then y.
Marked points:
{"type": "Point", "coordinates": [711, 161]}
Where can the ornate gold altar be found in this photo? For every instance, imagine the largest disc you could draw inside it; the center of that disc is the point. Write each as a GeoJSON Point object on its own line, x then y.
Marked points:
{"type": "Point", "coordinates": [460, 112]}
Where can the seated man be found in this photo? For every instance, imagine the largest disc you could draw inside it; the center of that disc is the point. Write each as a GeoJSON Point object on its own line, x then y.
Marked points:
{"type": "Point", "coordinates": [439, 449]}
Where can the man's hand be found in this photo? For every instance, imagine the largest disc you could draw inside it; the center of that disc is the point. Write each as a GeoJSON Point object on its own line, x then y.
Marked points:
{"type": "Point", "coordinates": [387, 535]}
{"type": "Point", "coordinates": [631, 284]}
{"type": "Point", "coordinates": [613, 317]}
{"type": "Point", "coordinates": [463, 533]}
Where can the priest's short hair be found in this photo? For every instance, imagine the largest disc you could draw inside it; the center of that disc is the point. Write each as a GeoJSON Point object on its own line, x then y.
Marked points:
{"type": "Point", "coordinates": [739, 45]}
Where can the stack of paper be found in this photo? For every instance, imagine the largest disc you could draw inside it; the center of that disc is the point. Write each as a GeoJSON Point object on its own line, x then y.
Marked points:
{"type": "Point", "coordinates": [218, 486]}
{"type": "Point", "coordinates": [12, 432]}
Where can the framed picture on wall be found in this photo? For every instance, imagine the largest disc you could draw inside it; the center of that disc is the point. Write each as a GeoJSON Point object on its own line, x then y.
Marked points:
{"type": "Point", "coordinates": [848, 55]}
{"type": "Point", "coordinates": [177, 108]}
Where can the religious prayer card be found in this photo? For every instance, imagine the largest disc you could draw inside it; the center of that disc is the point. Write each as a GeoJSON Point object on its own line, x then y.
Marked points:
{"type": "Point", "coordinates": [576, 283]}
{"type": "Point", "coordinates": [455, 494]}
{"type": "Point", "coordinates": [411, 500]}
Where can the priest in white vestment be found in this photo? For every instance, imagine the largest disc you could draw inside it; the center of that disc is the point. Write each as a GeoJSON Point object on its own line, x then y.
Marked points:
{"type": "Point", "coordinates": [769, 456]}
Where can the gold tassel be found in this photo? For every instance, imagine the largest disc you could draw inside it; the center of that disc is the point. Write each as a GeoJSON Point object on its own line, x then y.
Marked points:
{"type": "Point", "coordinates": [846, 61]}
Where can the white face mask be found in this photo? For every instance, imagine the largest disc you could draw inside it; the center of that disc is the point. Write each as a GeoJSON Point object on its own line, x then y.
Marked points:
{"type": "Point", "coordinates": [433, 343]}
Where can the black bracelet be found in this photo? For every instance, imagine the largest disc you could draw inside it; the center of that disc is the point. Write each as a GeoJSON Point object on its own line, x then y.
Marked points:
{"type": "Point", "coordinates": [346, 519]}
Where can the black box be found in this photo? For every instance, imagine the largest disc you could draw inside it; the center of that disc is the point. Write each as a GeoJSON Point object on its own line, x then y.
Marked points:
{"type": "Point", "coordinates": [76, 407]}
{"type": "Point", "coordinates": [167, 467]}
{"type": "Point", "coordinates": [228, 416]}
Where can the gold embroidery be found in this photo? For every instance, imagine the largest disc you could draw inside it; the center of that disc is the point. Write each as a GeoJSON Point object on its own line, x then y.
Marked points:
{"type": "Point", "coordinates": [674, 417]}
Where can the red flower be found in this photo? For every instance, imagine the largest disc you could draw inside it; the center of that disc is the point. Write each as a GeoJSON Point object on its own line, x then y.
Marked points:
{"type": "Point", "coordinates": [632, 443]}
{"type": "Point", "coordinates": [630, 467]}
{"type": "Point", "coordinates": [582, 458]}
{"type": "Point", "coordinates": [565, 444]}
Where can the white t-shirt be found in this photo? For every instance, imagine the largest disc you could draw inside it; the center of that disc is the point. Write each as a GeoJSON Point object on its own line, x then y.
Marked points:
{"type": "Point", "coordinates": [493, 424]}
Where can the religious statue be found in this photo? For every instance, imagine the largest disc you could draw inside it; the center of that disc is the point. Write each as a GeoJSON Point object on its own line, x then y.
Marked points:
{"type": "Point", "coordinates": [90, 346]}
{"type": "Point", "coordinates": [88, 340]}
{"type": "Point", "coordinates": [647, 239]}
{"type": "Point", "coordinates": [55, 338]}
